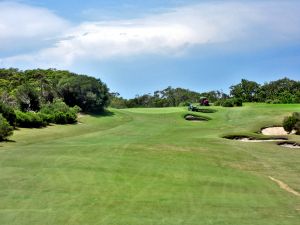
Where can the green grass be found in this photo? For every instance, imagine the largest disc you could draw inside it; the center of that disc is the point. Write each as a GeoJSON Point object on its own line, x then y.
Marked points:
{"type": "Point", "coordinates": [150, 166]}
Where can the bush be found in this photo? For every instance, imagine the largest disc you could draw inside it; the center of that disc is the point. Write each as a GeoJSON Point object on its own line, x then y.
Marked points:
{"type": "Point", "coordinates": [5, 129]}
{"type": "Point", "coordinates": [30, 120]}
{"type": "Point", "coordinates": [28, 98]}
{"type": "Point", "coordinates": [276, 101]}
{"type": "Point", "coordinates": [292, 123]}
{"type": "Point", "coordinates": [232, 102]}
{"type": "Point", "coordinates": [9, 114]}
{"type": "Point", "coordinates": [184, 104]}
{"type": "Point", "coordinates": [297, 127]}
{"type": "Point", "coordinates": [64, 118]}
{"type": "Point", "coordinates": [219, 102]}
{"type": "Point", "coordinates": [228, 103]}
{"type": "Point", "coordinates": [60, 113]}
{"type": "Point", "coordinates": [237, 102]}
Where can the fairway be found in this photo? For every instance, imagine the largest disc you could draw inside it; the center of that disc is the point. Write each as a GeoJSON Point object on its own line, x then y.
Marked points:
{"type": "Point", "coordinates": [151, 167]}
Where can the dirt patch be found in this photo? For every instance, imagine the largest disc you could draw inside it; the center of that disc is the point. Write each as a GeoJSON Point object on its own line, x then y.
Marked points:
{"type": "Point", "coordinates": [196, 118]}
{"type": "Point", "coordinates": [289, 144]}
{"type": "Point", "coordinates": [275, 131]}
{"type": "Point", "coordinates": [285, 186]}
{"type": "Point", "coordinates": [252, 139]}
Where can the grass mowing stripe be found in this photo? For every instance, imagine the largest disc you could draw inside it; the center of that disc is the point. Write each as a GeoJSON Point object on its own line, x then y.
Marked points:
{"type": "Point", "coordinates": [150, 166]}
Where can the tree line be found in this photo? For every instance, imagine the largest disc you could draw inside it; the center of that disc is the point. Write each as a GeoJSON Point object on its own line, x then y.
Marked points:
{"type": "Point", "coordinates": [280, 91]}
{"type": "Point", "coordinates": [35, 98]}
{"type": "Point", "coordinates": [168, 97]}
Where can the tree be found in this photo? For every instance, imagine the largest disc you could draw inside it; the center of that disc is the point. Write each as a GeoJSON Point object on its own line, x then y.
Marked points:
{"type": "Point", "coordinates": [5, 129]}
{"type": "Point", "coordinates": [246, 90]}
{"type": "Point", "coordinates": [8, 113]}
{"type": "Point", "coordinates": [28, 98]}
{"type": "Point", "coordinates": [89, 93]}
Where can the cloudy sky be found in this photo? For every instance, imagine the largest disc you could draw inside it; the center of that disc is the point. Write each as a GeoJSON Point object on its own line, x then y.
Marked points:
{"type": "Point", "coordinates": [140, 46]}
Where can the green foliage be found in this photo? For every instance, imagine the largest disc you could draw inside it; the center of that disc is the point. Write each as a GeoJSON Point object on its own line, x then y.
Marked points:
{"type": "Point", "coordinates": [219, 102]}
{"type": "Point", "coordinates": [232, 102]}
{"type": "Point", "coordinates": [168, 97]}
{"type": "Point", "coordinates": [31, 88]}
{"type": "Point", "coordinates": [5, 129]}
{"type": "Point", "coordinates": [30, 119]}
{"type": "Point", "coordinates": [8, 113]}
{"type": "Point", "coordinates": [28, 98]}
{"type": "Point", "coordinates": [246, 90]}
{"type": "Point", "coordinates": [237, 102]}
{"type": "Point", "coordinates": [228, 103]}
{"type": "Point", "coordinates": [89, 93]}
{"type": "Point", "coordinates": [280, 91]}
{"type": "Point", "coordinates": [291, 123]}
{"type": "Point", "coordinates": [184, 104]}
{"type": "Point", "coordinates": [60, 113]}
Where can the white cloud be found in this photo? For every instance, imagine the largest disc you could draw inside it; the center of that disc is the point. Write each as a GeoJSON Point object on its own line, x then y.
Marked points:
{"type": "Point", "coordinates": [252, 24]}
{"type": "Point", "coordinates": [23, 26]}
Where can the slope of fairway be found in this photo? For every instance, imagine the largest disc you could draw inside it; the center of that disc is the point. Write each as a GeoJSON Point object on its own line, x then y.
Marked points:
{"type": "Point", "coordinates": [150, 166]}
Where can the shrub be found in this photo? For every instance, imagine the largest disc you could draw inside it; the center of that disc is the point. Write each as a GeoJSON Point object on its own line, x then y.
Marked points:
{"type": "Point", "coordinates": [276, 101]}
{"type": "Point", "coordinates": [237, 102]}
{"type": "Point", "coordinates": [28, 98]}
{"type": "Point", "coordinates": [228, 103]}
{"type": "Point", "coordinates": [297, 127]}
{"type": "Point", "coordinates": [289, 123]}
{"type": "Point", "coordinates": [60, 113]}
{"type": "Point", "coordinates": [296, 115]}
{"type": "Point", "coordinates": [8, 113]}
{"type": "Point", "coordinates": [5, 129]}
{"type": "Point", "coordinates": [219, 102]}
{"type": "Point", "coordinates": [184, 104]}
{"type": "Point", "coordinates": [30, 120]}
{"type": "Point", "coordinates": [64, 118]}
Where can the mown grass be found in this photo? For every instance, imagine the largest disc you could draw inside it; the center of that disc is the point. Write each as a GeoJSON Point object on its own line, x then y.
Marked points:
{"type": "Point", "coordinates": [150, 166]}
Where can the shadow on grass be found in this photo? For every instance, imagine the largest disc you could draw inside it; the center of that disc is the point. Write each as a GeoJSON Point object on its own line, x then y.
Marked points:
{"type": "Point", "coordinates": [7, 141]}
{"type": "Point", "coordinates": [105, 113]}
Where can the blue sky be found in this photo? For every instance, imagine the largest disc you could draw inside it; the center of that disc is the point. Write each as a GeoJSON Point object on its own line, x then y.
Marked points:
{"type": "Point", "coordinates": [137, 47]}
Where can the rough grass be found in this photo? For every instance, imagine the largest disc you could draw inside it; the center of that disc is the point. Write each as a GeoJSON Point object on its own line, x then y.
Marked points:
{"type": "Point", "coordinates": [150, 166]}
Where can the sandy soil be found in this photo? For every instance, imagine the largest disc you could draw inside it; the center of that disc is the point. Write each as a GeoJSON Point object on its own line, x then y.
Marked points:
{"type": "Point", "coordinates": [290, 145]}
{"type": "Point", "coordinates": [251, 140]}
{"type": "Point", "coordinates": [274, 131]}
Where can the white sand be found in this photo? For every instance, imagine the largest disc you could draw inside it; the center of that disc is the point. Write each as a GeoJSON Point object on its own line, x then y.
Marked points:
{"type": "Point", "coordinates": [275, 131]}
{"type": "Point", "coordinates": [290, 145]}
{"type": "Point", "coordinates": [251, 140]}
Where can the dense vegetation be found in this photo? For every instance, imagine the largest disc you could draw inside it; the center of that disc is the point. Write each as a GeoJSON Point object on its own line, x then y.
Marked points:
{"type": "Point", "coordinates": [169, 97]}
{"type": "Point", "coordinates": [292, 122]}
{"type": "Point", "coordinates": [35, 98]}
{"type": "Point", "coordinates": [5, 129]}
{"type": "Point", "coordinates": [28, 90]}
{"type": "Point", "coordinates": [280, 91]}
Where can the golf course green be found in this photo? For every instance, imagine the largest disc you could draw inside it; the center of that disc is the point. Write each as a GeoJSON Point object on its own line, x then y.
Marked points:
{"type": "Point", "coordinates": [152, 167]}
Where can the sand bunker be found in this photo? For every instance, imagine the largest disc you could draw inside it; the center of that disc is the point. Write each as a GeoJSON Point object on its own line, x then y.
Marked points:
{"type": "Point", "coordinates": [289, 144]}
{"type": "Point", "coordinates": [275, 131]}
{"type": "Point", "coordinates": [257, 140]}
{"type": "Point", "coordinates": [252, 139]}
{"type": "Point", "coordinates": [190, 117]}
